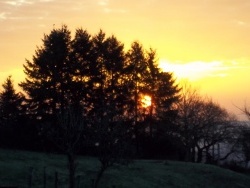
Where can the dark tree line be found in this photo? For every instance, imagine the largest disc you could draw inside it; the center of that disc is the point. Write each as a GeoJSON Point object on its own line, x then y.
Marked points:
{"type": "Point", "coordinates": [16, 129]}
{"type": "Point", "coordinates": [96, 77]}
{"type": "Point", "coordinates": [83, 93]}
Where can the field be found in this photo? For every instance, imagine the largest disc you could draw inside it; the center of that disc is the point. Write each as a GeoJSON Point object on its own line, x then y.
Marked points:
{"type": "Point", "coordinates": [15, 170]}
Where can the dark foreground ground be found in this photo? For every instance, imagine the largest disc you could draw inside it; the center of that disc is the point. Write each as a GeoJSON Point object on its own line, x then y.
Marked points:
{"type": "Point", "coordinates": [24, 169]}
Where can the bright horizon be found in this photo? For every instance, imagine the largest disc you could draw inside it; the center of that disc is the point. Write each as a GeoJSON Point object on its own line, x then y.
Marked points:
{"type": "Point", "coordinates": [204, 41]}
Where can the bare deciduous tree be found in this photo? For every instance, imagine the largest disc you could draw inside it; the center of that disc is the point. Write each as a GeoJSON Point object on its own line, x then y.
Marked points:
{"type": "Point", "coordinates": [244, 138]}
{"type": "Point", "coordinates": [68, 136]}
{"type": "Point", "coordinates": [203, 124]}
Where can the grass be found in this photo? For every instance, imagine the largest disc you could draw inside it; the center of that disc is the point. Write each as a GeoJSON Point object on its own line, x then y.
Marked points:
{"type": "Point", "coordinates": [15, 165]}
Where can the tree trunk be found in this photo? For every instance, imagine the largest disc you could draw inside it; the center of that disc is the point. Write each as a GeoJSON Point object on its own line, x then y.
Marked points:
{"type": "Point", "coordinates": [208, 156]}
{"type": "Point", "coordinates": [193, 154]}
{"type": "Point", "coordinates": [187, 154]}
{"type": "Point", "coordinates": [72, 169]}
{"type": "Point", "coordinates": [199, 155]}
{"type": "Point", "coordinates": [31, 171]}
{"type": "Point", "coordinates": [99, 176]}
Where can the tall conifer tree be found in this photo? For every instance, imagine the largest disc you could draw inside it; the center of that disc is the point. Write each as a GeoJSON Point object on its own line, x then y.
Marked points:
{"type": "Point", "coordinates": [48, 75]}
{"type": "Point", "coordinates": [10, 103]}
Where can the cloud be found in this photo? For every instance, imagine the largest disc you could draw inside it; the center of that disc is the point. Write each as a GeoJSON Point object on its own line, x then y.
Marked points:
{"type": "Point", "coordinates": [199, 69]}
{"type": "Point", "coordinates": [3, 15]}
{"type": "Point", "coordinates": [240, 23]}
{"type": "Point", "coordinates": [23, 10]}
{"type": "Point", "coordinates": [18, 2]}
{"type": "Point", "coordinates": [108, 10]}
{"type": "Point", "coordinates": [26, 14]}
{"type": "Point", "coordinates": [46, 1]}
{"type": "Point", "coordinates": [103, 2]}
{"type": "Point", "coordinates": [41, 25]}
{"type": "Point", "coordinates": [108, 7]}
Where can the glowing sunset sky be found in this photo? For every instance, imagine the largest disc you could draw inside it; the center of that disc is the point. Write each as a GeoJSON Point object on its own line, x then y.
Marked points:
{"type": "Point", "coordinates": [205, 41]}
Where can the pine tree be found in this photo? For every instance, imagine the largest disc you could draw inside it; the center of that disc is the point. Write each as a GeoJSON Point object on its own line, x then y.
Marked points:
{"type": "Point", "coordinates": [81, 58]}
{"type": "Point", "coordinates": [10, 103]}
{"type": "Point", "coordinates": [49, 76]}
{"type": "Point", "coordinates": [11, 111]}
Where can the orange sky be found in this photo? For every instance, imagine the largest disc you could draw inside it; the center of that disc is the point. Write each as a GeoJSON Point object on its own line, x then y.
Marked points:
{"type": "Point", "coordinates": [205, 41]}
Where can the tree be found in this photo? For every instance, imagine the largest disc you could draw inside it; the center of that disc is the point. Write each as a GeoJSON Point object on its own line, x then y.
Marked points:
{"type": "Point", "coordinates": [56, 89]}
{"type": "Point", "coordinates": [81, 60]}
{"type": "Point", "coordinates": [244, 143]}
{"type": "Point", "coordinates": [135, 71]}
{"type": "Point", "coordinates": [149, 87]}
{"type": "Point", "coordinates": [69, 137]}
{"type": "Point", "coordinates": [202, 124]}
{"type": "Point", "coordinates": [112, 145]}
{"type": "Point", "coordinates": [109, 94]}
{"type": "Point", "coordinates": [11, 110]}
{"type": "Point", "coordinates": [49, 79]}
{"type": "Point", "coordinates": [145, 78]}
{"type": "Point", "coordinates": [167, 97]}
{"type": "Point", "coordinates": [107, 84]}
{"type": "Point", "coordinates": [244, 137]}
{"type": "Point", "coordinates": [163, 92]}
{"type": "Point", "coordinates": [216, 127]}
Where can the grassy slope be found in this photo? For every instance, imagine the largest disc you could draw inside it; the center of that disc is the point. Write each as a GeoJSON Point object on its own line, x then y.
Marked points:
{"type": "Point", "coordinates": [14, 170]}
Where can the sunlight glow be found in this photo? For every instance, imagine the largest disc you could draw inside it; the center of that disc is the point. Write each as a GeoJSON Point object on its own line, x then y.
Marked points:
{"type": "Point", "coordinates": [194, 70]}
{"type": "Point", "coordinates": [204, 42]}
{"type": "Point", "coordinates": [146, 101]}
{"type": "Point", "coordinates": [17, 76]}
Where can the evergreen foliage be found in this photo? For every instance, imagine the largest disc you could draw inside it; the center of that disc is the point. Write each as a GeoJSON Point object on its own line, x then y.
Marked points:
{"type": "Point", "coordinates": [11, 113]}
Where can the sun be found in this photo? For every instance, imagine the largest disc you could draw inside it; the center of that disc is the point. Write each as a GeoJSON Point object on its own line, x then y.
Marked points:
{"type": "Point", "coordinates": [146, 101]}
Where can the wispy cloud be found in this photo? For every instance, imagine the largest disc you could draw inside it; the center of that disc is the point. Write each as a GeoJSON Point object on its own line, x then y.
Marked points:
{"type": "Point", "coordinates": [3, 15]}
{"type": "Point", "coordinates": [18, 2]}
{"type": "Point", "coordinates": [108, 10]}
{"type": "Point", "coordinates": [200, 69]}
{"type": "Point", "coordinates": [103, 2]}
{"type": "Point", "coordinates": [46, 1]}
{"type": "Point", "coordinates": [240, 23]}
{"type": "Point", "coordinates": [23, 10]}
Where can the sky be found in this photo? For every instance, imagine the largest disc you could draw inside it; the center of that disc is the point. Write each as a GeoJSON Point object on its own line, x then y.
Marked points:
{"type": "Point", "coordinates": [206, 42]}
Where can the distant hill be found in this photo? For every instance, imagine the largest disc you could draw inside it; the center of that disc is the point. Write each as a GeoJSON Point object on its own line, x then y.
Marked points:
{"type": "Point", "coordinates": [16, 168]}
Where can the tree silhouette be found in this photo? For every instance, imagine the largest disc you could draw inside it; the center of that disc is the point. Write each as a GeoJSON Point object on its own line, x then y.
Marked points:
{"type": "Point", "coordinates": [81, 59]}
{"type": "Point", "coordinates": [94, 76]}
{"type": "Point", "coordinates": [49, 78]}
{"type": "Point", "coordinates": [244, 138]}
{"type": "Point", "coordinates": [217, 127]}
{"type": "Point", "coordinates": [136, 68]}
{"type": "Point", "coordinates": [11, 110]}
{"type": "Point", "coordinates": [109, 94]}
{"type": "Point", "coordinates": [244, 144]}
{"type": "Point", "coordinates": [107, 89]}
{"type": "Point", "coordinates": [202, 124]}
{"type": "Point", "coordinates": [69, 138]}
{"type": "Point", "coordinates": [145, 78]}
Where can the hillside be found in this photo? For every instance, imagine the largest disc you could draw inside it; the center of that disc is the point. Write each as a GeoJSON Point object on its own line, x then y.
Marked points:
{"type": "Point", "coordinates": [15, 171]}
